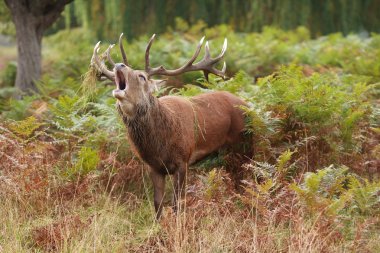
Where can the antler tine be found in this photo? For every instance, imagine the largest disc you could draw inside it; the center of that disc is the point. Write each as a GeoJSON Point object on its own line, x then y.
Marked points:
{"type": "Point", "coordinates": [207, 51]}
{"type": "Point", "coordinates": [224, 67]}
{"type": "Point", "coordinates": [224, 49]}
{"type": "Point", "coordinates": [220, 56]}
{"type": "Point", "coordinates": [161, 70]}
{"type": "Point", "coordinates": [122, 50]}
{"type": "Point", "coordinates": [206, 64]}
{"type": "Point", "coordinates": [189, 65]}
{"type": "Point", "coordinates": [99, 65]}
{"type": "Point", "coordinates": [221, 73]}
{"type": "Point", "coordinates": [147, 67]}
{"type": "Point", "coordinates": [199, 47]}
{"type": "Point", "coordinates": [109, 55]}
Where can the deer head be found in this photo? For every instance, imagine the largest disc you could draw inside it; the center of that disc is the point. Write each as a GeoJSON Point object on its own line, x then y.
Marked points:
{"type": "Point", "coordinates": [133, 87]}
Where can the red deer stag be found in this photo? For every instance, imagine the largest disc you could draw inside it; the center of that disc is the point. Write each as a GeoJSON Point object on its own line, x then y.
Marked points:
{"type": "Point", "coordinates": [171, 132]}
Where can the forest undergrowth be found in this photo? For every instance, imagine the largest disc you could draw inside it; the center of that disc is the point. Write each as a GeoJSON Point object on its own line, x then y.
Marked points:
{"type": "Point", "coordinates": [69, 182]}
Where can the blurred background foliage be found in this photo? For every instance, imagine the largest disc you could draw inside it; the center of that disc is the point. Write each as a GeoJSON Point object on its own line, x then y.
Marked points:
{"type": "Point", "coordinates": [107, 18]}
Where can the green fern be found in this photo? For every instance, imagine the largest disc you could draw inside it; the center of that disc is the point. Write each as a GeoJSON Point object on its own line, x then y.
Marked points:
{"type": "Point", "coordinates": [365, 196]}
{"type": "Point", "coordinates": [334, 190]}
{"type": "Point", "coordinates": [25, 128]}
{"type": "Point", "coordinates": [283, 159]}
{"type": "Point", "coordinates": [87, 161]}
{"type": "Point", "coordinates": [213, 184]}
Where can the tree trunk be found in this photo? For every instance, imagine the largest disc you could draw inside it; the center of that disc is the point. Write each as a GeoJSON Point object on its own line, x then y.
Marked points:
{"type": "Point", "coordinates": [31, 19]}
{"type": "Point", "coordinates": [29, 53]}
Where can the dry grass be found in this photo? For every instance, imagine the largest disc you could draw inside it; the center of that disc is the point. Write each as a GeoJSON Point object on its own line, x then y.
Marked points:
{"type": "Point", "coordinates": [109, 224]}
{"type": "Point", "coordinates": [112, 211]}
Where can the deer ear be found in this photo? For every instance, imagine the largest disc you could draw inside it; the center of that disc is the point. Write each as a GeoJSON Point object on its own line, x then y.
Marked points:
{"type": "Point", "coordinates": [155, 84]}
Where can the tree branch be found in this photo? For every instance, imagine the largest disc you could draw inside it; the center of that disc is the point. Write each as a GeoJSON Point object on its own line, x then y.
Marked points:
{"type": "Point", "coordinates": [52, 12]}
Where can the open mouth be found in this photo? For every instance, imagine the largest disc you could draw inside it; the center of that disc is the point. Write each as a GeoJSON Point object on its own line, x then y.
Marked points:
{"type": "Point", "coordinates": [120, 80]}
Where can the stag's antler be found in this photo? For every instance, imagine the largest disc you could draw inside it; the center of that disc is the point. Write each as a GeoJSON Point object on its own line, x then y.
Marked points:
{"type": "Point", "coordinates": [122, 50]}
{"type": "Point", "coordinates": [107, 52]}
{"type": "Point", "coordinates": [206, 64]}
{"type": "Point", "coordinates": [99, 63]}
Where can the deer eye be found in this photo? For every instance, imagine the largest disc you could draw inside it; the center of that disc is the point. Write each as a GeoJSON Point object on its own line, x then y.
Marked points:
{"type": "Point", "coordinates": [142, 78]}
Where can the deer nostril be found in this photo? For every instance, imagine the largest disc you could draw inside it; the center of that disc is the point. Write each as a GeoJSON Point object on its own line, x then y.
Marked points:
{"type": "Point", "coordinates": [119, 66]}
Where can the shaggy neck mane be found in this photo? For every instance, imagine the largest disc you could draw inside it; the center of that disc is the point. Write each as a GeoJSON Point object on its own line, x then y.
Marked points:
{"type": "Point", "coordinates": [145, 129]}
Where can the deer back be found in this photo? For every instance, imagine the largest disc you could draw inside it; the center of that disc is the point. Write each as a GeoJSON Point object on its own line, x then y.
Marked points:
{"type": "Point", "coordinates": [207, 122]}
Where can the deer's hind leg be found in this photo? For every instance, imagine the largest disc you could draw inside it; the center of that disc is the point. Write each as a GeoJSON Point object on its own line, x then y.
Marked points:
{"type": "Point", "coordinates": [159, 190]}
{"type": "Point", "coordinates": [179, 179]}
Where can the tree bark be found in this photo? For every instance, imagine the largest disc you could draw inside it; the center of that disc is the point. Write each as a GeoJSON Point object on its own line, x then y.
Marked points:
{"type": "Point", "coordinates": [31, 19]}
{"type": "Point", "coordinates": [29, 53]}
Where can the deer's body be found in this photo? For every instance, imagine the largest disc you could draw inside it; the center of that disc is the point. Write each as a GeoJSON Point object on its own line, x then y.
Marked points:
{"type": "Point", "coordinates": [170, 133]}
{"type": "Point", "coordinates": [173, 131]}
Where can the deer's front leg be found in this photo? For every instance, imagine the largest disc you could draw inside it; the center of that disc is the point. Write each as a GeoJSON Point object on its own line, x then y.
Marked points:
{"type": "Point", "coordinates": [159, 190]}
{"type": "Point", "coordinates": [179, 186]}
